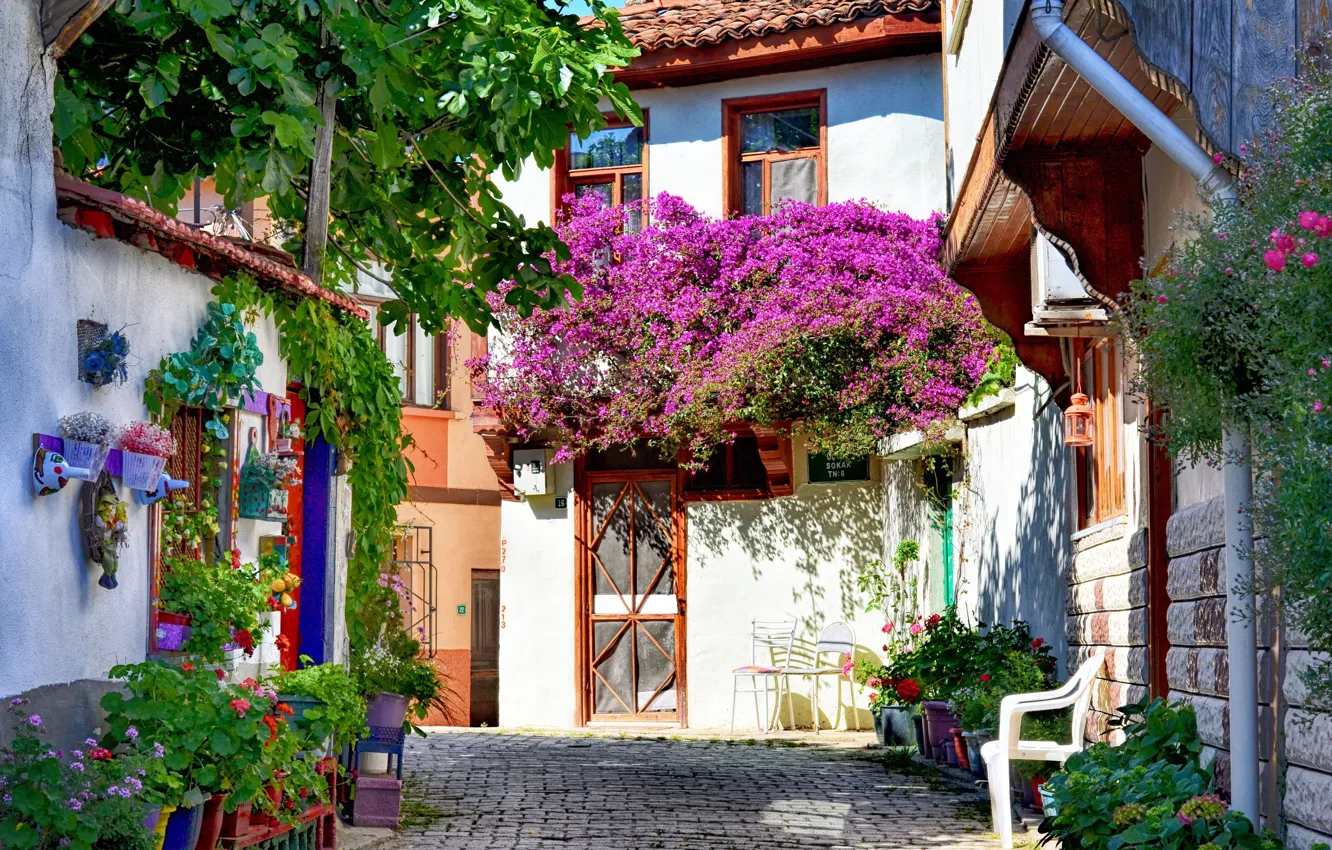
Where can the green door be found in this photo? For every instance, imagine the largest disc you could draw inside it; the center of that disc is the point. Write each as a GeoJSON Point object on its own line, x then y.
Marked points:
{"type": "Point", "coordinates": [939, 482]}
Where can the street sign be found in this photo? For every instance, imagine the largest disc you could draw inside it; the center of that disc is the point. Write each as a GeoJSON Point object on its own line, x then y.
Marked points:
{"type": "Point", "coordinates": [827, 470]}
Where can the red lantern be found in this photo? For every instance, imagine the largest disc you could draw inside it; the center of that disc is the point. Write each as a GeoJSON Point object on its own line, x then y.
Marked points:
{"type": "Point", "coordinates": [1077, 422]}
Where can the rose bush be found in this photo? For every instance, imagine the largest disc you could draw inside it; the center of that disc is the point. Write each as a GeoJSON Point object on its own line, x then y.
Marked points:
{"type": "Point", "coordinates": [837, 317]}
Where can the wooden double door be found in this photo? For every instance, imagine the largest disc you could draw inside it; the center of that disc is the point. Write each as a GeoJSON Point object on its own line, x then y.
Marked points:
{"type": "Point", "coordinates": [630, 597]}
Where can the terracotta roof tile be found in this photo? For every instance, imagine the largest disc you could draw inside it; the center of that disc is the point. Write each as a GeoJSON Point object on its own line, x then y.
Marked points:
{"type": "Point", "coordinates": [697, 23]}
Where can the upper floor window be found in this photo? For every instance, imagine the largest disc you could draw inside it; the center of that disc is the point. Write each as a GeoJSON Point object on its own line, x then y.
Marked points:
{"type": "Point", "coordinates": [776, 150]}
{"type": "Point", "coordinates": [610, 163]}
{"type": "Point", "coordinates": [1100, 466]}
{"type": "Point", "coordinates": [420, 360]}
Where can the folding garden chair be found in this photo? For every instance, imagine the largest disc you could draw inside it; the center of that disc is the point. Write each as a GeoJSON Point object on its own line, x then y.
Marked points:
{"type": "Point", "coordinates": [840, 639]}
{"type": "Point", "coordinates": [770, 655]}
{"type": "Point", "coordinates": [1010, 746]}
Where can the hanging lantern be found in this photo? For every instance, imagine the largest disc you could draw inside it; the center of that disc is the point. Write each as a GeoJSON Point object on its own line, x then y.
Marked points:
{"type": "Point", "coordinates": [1077, 422]}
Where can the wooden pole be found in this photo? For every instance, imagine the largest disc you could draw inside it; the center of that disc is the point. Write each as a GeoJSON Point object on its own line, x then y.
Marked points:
{"type": "Point", "coordinates": [321, 169]}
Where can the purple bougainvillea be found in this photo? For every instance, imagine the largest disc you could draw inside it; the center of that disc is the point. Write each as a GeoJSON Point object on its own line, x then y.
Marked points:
{"type": "Point", "coordinates": [834, 321]}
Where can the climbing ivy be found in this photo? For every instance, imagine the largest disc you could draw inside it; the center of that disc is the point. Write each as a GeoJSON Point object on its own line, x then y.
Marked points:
{"type": "Point", "coordinates": [352, 400]}
{"type": "Point", "coordinates": [219, 368]}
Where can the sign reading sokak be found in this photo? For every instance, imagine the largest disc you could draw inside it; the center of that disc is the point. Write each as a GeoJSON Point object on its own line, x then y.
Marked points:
{"type": "Point", "coordinates": [824, 469]}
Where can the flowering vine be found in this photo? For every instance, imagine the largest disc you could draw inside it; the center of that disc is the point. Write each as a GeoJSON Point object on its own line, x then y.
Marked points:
{"type": "Point", "coordinates": [836, 319]}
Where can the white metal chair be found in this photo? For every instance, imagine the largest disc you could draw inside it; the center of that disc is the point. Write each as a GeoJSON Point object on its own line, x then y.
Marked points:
{"type": "Point", "coordinates": [770, 655]}
{"type": "Point", "coordinates": [1010, 746]}
{"type": "Point", "coordinates": [838, 638]}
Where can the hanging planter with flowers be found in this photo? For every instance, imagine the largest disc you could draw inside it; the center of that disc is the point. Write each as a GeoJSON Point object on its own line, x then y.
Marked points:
{"type": "Point", "coordinates": [87, 440]}
{"type": "Point", "coordinates": [264, 480]}
{"type": "Point", "coordinates": [144, 448]}
{"type": "Point", "coordinates": [106, 362]}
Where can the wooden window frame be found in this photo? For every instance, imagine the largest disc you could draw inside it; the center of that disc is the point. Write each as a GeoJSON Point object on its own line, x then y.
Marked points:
{"type": "Point", "coordinates": [563, 179]}
{"type": "Point", "coordinates": [1104, 458]}
{"type": "Point", "coordinates": [441, 343]}
{"type": "Point", "coordinates": [443, 397]}
{"type": "Point", "coordinates": [733, 109]}
{"type": "Point", "coordinates": [738, 494]}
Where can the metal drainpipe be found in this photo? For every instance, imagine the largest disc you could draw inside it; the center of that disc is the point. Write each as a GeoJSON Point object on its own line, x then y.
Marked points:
{"type": "Point", "coordinates": [1047, 16]}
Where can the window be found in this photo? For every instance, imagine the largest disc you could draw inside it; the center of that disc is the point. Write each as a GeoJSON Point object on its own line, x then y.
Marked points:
{"type": "Point", "coordinates": [610, 163]}
{"type": "Point", "coordinates": [1100, 466]}
{"type": "Point", "coordinates": [776, 150]}
{"type": "Point", "coordinates": [420, 360]}
{"type": "Point", "coordinates": [735, 471]}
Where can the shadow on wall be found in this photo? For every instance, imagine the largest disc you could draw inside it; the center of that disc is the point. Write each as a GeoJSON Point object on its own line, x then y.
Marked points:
{"type": "Point", "coordinates": [823, 534]}
{"type": "Point", "coordinates": [1021, 568]}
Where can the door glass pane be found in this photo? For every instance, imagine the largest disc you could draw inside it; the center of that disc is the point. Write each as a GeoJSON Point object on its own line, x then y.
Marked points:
{"type": "Point", "coordinates": [605, 191]}
{"type": "Point", "coordinates": [631, 192]}
{"type": "Point", "coordinates": [606, 148]}
{"type": "Point", "coordinates": [610, 562]}
{"type": "Point", "coordinates": [652, 543]}
{"type": "Point", "coordinates": [783, 130]}
{"type": "Point", "coordinates": [424, 376]}
{"type": "Point", "coordinates": [612, 684]}
{"type": "Point", "coordinates": [747, 469]}
{"type": "Point", "coordinates": [656, 665]}
{"type": "Point", "coordinates": [795, 180]}
{"type": "Point", "coordinates": [751, 177]}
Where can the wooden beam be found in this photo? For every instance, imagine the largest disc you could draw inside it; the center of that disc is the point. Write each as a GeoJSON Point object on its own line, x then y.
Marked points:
{"type": "Point", "coordinates": [63, 21]}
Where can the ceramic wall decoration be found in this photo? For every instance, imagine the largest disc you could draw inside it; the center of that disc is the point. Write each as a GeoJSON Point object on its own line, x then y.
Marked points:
{"type": "Point", "coordinates": [50, 472]}
{"type": "Point", "coordinates": [165, 484]}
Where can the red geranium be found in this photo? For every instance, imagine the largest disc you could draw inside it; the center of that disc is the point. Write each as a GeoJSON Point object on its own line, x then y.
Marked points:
{"type": "Point", "coordinates": [283, 708]}
{"type": "Point", "coordinates": [1038, 643]}
{"type": "Point", "coordinates": [99, 754]}
{"type": "Point", "coordinates": [908, 690]}
{"type": "Point", "coordinates": [985, 677]}
{"type": "Point", "coordinates": [932, 621]}
{"type": "Point", "coordinates": [244, 639]}
{"type": "Point", "coordinates": [221, 674]}
{"type": "Point", "coordinates": [187, 667]}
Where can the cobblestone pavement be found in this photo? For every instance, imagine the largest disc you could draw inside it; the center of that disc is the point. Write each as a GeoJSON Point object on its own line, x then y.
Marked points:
{"type": "Point", "coordinates": [500, 791]}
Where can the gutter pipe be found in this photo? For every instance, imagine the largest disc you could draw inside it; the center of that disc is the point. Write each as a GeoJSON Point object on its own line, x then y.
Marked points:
{"type": "Point", "coordinates": [1047, 16]}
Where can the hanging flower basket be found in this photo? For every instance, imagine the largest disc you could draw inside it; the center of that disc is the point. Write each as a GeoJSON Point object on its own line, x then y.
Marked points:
{"type": "Point", "coordinates": [89, 456]}
{"type": "Point", "coordinates": [144, 449]}
{"type": "Point", "coordinates": [263, 480]}
{"type": "Point", "coordinates": [140, 471]}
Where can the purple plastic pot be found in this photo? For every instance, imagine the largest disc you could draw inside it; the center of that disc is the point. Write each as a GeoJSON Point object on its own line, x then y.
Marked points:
{"type": "Point", "coordinates": [386, 710]}
{"type": "Point", "coordinates": [150, 816]}
{"type": "Point", "coordinates": [938, 720]}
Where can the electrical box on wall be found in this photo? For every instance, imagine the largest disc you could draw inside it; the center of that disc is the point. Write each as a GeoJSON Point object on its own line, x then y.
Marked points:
{"type": "Point", "coordinates": [531, 472]}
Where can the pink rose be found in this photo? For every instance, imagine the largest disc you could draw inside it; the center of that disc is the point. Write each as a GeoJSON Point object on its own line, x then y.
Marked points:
{"type": "Point", "coordinates": [1276, 261]}
{"type": "Point", "coordinates": [1309, 260]}
{"type": "Point", "coordinates": [916, 628]}
{"type": "Point", "coordinates": [1308, 219]}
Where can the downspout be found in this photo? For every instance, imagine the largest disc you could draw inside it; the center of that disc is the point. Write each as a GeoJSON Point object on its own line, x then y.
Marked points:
{"type": "Point", "coordinates": [1047, 16]}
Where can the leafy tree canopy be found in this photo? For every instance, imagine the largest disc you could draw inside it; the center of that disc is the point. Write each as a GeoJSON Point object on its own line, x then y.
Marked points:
{"type": "Point", "coordinates": [433, 98]}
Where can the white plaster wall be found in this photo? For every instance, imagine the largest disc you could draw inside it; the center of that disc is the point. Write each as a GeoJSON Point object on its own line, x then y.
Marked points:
{"type": "Point", "coordinates": [885, 137]}
{"type": "Point", "coordinates": [789, 558]}
{"type": "Point", "coordinates": [971, 75]}
{"type": "Point", "coordinates": [58, 624]}
{"type": "Point", "coordinates": [1012, 516]}
{"type": "Point", "coordinates": [537, 617]}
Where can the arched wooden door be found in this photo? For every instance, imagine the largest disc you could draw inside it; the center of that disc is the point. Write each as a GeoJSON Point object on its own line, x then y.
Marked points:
{"type": "Point", "coordinates": [631, 630]}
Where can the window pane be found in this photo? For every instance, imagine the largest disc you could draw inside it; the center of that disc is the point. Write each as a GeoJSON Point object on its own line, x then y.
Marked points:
{"type": "Point", "coordinates": [395, 349]}
{"type": "Point", "coordinates": [632, 191]}
{"type": "Point", "coordinates": [795, 180]}
{"type": "Point", "coordinates": [603, 190]}
{"type": "Point", "coordinates": [425, 368]}
{"type": "Point", "coordinates": [747, 469]}
{"type": "Point", "coordinates": [606, 148]}
{"type": "Point", "coordinates": [784, 130]}
{"type": "Point", "coordinates": [751, 175]}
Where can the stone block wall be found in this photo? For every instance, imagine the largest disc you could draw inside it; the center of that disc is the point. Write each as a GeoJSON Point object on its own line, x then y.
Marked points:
{"type": "Point", "coordinates": [1295, 743]}
{"type": "Point", "coordinates": [1107, 613]}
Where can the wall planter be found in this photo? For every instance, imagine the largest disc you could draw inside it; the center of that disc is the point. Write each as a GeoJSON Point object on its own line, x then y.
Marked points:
{"type": "Point", "coordinates": [83, 455]}
{"type": "Point", "coordinates": [173, 630]}
{"type": "Point", "coordinates": [50, 472]}
{"type": "Point", "coordinates": [140, 471]}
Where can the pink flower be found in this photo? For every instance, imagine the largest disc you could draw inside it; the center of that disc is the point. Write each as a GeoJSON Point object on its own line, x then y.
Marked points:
{"type": "Point", "coordinates": [1308, 219]}
{"type": "Point", "coordinates": [1217, 159]}
{"type": "Point", "coordinates": [917, 628]}
{"type": "Point", "coordinates": [985, 677]}
{"type": "Point", "coordinates": [847, 668]}
{"type": "Point", "coordinates": [1161, 299]}
{"type": "Point", "coordinates": [240, 706]}
{"type": "Point", "coordinates": [1284, 242]}
{"type": "Point", "coordinates": [1318, 407]}
{"type": "Point", "coordinates": [1276, 261]}
{"type": "Point", "coordinates": [1309, 260]}
{"type": "Point", "coordinates": [887, 627]}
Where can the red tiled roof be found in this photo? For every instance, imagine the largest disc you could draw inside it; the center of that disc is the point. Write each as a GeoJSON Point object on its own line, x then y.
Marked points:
{"type": "Point", "coordinates": [109, 214]}
{"type": "Point", "coordinates": [697, 23]}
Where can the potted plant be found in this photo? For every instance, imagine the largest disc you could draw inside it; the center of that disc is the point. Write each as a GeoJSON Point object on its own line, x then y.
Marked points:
{"type": "Point", "coordinates": [217, 603]}
{"type": "Point", "coordinates": [85, 797]}
{"type": "Point", "coordinates": [87, 439]}
{"type": "Point", "coordinates": [325, 701]}
{"type": "Point", "coordinates": [107, 361]}
{"type": "Point", "coordinates": [393, 677]}
{"type": "Point", "coordinates": [144, 448]}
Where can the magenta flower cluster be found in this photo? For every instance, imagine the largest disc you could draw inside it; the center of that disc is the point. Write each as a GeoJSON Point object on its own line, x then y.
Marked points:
{"type": "Point", "coordinates": [836, 319]}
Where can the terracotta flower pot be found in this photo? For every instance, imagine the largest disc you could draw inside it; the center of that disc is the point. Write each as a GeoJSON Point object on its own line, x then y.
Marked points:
{"type": "Point", "coordinates": [210, 829]}
{"type": "Point", "coordinates": [960, 748]}
{"type": "Point", "coordinates": [1037, 801]}
{"type": "Point", "coordinates": [237, 823]}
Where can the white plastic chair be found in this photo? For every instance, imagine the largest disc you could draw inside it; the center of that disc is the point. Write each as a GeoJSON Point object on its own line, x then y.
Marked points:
{"type": "Point", "coordinates": [838, 638]}
{"type": "Point", "coordinates": [770, 655]}
{"type": "Point", "coordinates": [1010, 746]}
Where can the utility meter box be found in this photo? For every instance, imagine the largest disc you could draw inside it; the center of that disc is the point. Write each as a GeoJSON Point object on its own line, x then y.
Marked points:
{"type": "Point", "coordinates": [531, 472]}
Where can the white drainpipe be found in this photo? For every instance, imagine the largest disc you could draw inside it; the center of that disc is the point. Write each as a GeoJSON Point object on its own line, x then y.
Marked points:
{"type": "Point", "coordinates": [1047, 16]}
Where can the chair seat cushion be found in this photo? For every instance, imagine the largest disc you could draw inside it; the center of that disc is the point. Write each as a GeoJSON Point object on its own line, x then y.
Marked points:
{"type": "Point", "coordinates": [756, 669]}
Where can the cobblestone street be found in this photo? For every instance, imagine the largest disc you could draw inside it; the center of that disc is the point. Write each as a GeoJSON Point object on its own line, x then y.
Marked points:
{"type": "Point", "coordinates": [536, 791]}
